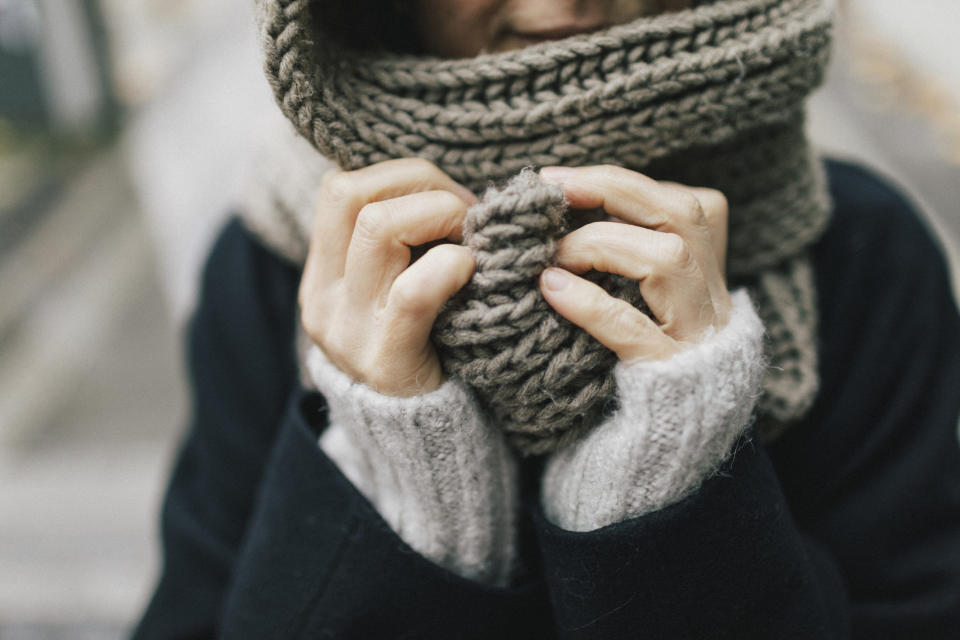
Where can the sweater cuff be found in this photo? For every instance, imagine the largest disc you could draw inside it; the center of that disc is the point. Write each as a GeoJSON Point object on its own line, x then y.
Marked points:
{"type": "Point", "coordinates": [678, 421]}
{"type": "Point", "coordinates": [439, 475]}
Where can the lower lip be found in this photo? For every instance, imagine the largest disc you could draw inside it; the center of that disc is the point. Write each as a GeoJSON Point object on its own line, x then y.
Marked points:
{"type": "Point", "coordinates": [555, 34]}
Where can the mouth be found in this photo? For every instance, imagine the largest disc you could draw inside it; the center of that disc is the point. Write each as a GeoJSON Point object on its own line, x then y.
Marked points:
{"type": "Point", "coordinates": [554, 33]}
{"type": "Point", "coordinates": [520, 38]}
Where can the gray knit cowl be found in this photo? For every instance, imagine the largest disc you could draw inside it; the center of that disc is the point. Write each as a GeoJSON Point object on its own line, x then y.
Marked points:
{"type": "Point", "coordinates": [709, 96]}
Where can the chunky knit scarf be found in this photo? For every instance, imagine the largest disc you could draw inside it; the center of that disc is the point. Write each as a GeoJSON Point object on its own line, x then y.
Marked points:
{"type": "Point", "coordinates": [710, 96]}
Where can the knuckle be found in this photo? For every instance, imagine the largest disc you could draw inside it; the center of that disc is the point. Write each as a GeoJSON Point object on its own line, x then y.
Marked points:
{"type": "Point", "coordinates": [676, 251]}
{"type": "Point", "coordinates": [421, 164]}
{"type": "Point", "coordinates": [599, 229]}
{"type": "Point", "coordinates": [319, 309]}
{"type": "Point", "coordinates": [337, 185]}
{"type": "Point", "coordinates": [446, 204]}
{"type": "Point", "coordinates": [409, 300]}
{"type": "Point", "coordinates": [578, 239]}
{"type": "Point", "coordinates": [449, 201]}
{"type": "Point", "coordinates": [373, 220]}
{"type": "Point", "coordinates": [426, 170]}
{"type": "Point", "coordinates": [716, 206]}
{"type": "Point", "coordinates": [573, 248]}
{"type": "Point", "coordinates": [593, 234]}
{"type": "Point", "coordinates": [426, 166]}
{"type": "Point", "coordinates": [618, 178]}
{"type": "Point", "coordinates": [617, 316]}
{"type": "Point", "coordinates": [616, 171]}
{"type": "Point", "coordinates": [449, 253]}
{"type": "Point", "coordinates": [689, 210]}
{"type": "Point", "coordinates": [313, 324]}
{"type": "Point", "coordinates": [673, 246]}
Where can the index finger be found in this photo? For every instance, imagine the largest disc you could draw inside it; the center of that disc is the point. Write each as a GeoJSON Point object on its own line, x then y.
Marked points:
{"type": "Point", "coordinates": [342, 194]}
{"type": "Point", "coordinates": [717, 211]}
{"type": "Point", "coordinates": [628, 195]}
{"type": "Point", "coordinates": [641, 200]}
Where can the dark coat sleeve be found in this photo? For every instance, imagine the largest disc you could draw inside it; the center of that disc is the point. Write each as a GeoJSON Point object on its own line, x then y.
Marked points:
{"type": "Point", "coordinates": [240, 356]}
{"type": "Point", "coordinates": [263, 536]}
{"type": "Point", "coordinates": [727, 562]}
{"type": "Point", "coordinates": [320, 562]}
{"type": "Point", "coordinates": [850, 524]}
{"type": "Point", "coordinates": [874, 473]}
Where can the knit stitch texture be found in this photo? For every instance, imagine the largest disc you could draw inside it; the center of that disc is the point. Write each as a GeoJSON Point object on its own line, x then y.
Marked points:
{"type": "Point", "coordinates": [679, 420]}
{"type": "Point", "coordinates": [710, 96]}
{"type": "Point", "coordinates": [439, 475]}
{"type": "Point", "coordinates": [541, 378]}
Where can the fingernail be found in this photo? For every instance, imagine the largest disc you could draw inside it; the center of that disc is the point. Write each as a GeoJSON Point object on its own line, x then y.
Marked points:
{"type": "Point", "coordinates": [556, 174]}
{"type": "Point", "coordinates": [555, 279]}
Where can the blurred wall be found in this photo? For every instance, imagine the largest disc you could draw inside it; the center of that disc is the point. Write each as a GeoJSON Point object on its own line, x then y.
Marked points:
{"type": "Point", "coordinates": [201, 106]}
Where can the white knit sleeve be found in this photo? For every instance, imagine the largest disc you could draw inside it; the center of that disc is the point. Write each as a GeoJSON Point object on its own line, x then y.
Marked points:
{"type": "Point", "coordinates": [678, 421]}
{"type": "Point", "coordinates": [431, 465]}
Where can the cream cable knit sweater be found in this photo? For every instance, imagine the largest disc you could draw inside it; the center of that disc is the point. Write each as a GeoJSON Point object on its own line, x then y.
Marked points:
{"type": "Point", "coordinates": [445, 480]}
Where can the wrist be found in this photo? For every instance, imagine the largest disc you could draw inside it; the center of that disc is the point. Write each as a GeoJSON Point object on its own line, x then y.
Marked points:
{"type": "Point", "coordinates": [401, 379]}
{"type": "Point", "coordinates": [436, 471]}
{"type": "Point", "coordinates": [678, 421]}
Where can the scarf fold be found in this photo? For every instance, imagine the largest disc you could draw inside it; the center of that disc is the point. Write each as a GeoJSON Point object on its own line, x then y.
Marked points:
{"type": "Point", "coordinates": [710, 96]}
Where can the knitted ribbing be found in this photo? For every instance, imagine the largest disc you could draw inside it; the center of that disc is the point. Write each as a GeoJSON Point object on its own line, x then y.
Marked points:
{"type": "Point", "coordinates": [438, 474]}
{"type": "Point", "coordinates": [679, 421]}
{"type": "Point", "coordinates": [711, 96]}
{"type": "Point", "coordinates": [630, 95]}
{"type": "Point", "coordinates": [541, 377]}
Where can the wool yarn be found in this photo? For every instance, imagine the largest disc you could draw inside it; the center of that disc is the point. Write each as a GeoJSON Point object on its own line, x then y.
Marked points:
{"type": "Point", "coordinates": [429, 465]}
{"type": "Point", "coordinates": [543, 379]}
{"type": "Point", "coordinates": [680, 420]}
{"type": "Point", "coordinates": [710, 96]}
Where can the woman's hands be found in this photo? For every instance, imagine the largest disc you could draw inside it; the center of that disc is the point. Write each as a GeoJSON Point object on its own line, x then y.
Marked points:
{"type": "Point", "coordinates": [680, 414]}
{"type": "Point", "coordinates": [371, 311]}
{"type": "Point", "coordinates": [361, 300]}
{"type": "Point", "coordinates": [676, 251]}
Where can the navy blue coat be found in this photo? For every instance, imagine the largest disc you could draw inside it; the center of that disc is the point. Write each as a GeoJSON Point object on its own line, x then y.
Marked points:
{"type": "Point", "coordinates": [848, 526]}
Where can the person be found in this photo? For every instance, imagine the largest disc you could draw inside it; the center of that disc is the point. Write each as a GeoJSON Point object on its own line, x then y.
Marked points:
{"type": "Point", "coordinates": [403, 423]}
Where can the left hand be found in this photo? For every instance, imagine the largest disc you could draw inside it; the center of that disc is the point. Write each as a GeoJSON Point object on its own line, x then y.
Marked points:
{"type": "Point", "coordinates": [674, 245]}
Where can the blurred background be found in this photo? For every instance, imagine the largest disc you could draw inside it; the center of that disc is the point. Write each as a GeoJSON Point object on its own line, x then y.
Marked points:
{"type": "Point", "coordinates": [126, 133]}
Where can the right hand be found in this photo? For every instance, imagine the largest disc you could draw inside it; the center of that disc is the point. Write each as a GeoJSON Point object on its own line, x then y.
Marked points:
{"type": "Point", "coordinates": [361, 300]}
